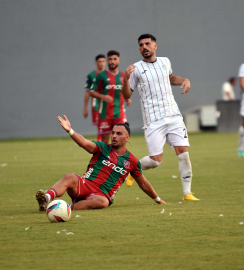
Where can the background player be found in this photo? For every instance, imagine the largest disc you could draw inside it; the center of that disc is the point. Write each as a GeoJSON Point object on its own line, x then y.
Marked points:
{"type": "Point", "coordinates": [105, 173]}
{"type": "Point", "coordinates": [100, 62]}
{"type": "Point", "coordinates": [153, 77]}
{"type": "Point", "coordinates": [107, 87]}
{"type": "Point", "coordinates": [240, 152]}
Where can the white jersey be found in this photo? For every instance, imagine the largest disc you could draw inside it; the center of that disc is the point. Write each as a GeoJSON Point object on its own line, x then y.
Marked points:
{"type": "Point", "coordinates": [154, 88]}
{"type": "Point", "coordinates": [241, 75]}
{"type": "Point", "coordinates": [227, 89]}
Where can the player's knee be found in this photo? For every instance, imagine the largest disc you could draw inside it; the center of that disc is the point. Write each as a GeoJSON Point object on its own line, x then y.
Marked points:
{"type": "Point", "coordinates": [69, 179]}
{"type": "Point", "coordinates": [148, 163]}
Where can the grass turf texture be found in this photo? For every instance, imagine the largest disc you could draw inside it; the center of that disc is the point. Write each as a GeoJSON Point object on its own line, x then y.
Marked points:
{"type": "Point", "coordinates": [132, 233]}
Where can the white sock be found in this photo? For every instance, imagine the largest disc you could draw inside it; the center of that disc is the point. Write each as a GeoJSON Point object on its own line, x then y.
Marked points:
{"type": "Point", "coordinates": [148, 163]}
{"type": "Point", "coordinates": [48, 197]}
{"type": "Point", "coordinates": [185, 172]}
{"type": "Point", "coordinates": [241, 138]}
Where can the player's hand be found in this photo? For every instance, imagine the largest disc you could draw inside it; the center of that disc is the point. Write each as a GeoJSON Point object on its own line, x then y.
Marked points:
{"type": "Point", "coordinates": [128, 102]}
{"type": "Point", "coordinates": [85, 113]}
{"type": "Point", "coordinates": [64, 123]}
{"type": "Point", "coordinates": [186, 83]}
{"type": "Point", "coordinates": [107, 98]}
{"type": "Point", "coordinates": [128, 71]}
{"type": "Point", "coordinates": [161, 202]}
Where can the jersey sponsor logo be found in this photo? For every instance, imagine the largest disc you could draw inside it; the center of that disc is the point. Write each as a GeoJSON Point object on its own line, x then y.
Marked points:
{"type": "Point", "coordinates": [114, 167]}
{"type": "Point", "coordinates": [127, 164]}
{"type": "Point", "coordinates": [88, 173]}
{"type": "Point", "coordinates": [116, 87]}
{"type": "Point", "coordinates": [144, 72]}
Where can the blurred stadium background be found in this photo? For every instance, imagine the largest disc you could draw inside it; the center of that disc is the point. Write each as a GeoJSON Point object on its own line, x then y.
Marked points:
{"type": "Point", "coordinates": [48, 47]}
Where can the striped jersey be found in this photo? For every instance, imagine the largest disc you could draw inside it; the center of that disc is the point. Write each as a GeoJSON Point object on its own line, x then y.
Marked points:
{"type": "Point", "coordinates": [107, 170]}
{"type": "Point", "coordinates": [107, 83]}
{"type": "Point", "coordinates": [154, 88]}
{"type": "Point", "coordinates": [91, 77]}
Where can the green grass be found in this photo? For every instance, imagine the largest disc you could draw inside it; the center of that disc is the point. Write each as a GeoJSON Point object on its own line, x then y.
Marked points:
{"type": "Point", "coordinates": [132, 233]}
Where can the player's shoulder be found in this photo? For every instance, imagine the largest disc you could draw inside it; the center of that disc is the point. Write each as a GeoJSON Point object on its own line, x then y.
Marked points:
{"type": "Point", "coordinates": [92, 73]}
{"type": "Point", "coordinates": [133, 158]}
{"type": "Point", "coordinates": [138, 63]}
{"type": "Point", "coordinates": [163, 59]}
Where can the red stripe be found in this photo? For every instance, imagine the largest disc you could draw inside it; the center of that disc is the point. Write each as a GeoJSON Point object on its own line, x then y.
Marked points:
{"type": "Point", "coordinates": [111, 92]}
{"type": "Point", "coordinates": [122, 111]}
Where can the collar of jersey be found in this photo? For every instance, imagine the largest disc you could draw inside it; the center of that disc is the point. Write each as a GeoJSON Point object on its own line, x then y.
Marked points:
{"type": "Point", "coordinates": [151, 62]}
{"type": "Point", "coordinates": [112, 73]}
{"type": "Point", "coordinates": [120, 155]}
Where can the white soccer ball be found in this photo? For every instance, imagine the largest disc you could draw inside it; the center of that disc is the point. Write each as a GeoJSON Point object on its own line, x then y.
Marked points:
{"type": "Point", "coordinates": [58, 211]}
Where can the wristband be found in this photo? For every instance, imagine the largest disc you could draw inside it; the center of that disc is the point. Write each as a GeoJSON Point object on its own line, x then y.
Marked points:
{"type": "Point", "coordinates": [71, 132]}
{"type": "Point", "coordinates": [157, 199]}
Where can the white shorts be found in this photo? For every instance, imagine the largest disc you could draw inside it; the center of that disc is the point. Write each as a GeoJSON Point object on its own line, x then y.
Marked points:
{"type": "Point", "coordinates": [242, 106]}
{"type": "Point", "coordinates": [170, 129]}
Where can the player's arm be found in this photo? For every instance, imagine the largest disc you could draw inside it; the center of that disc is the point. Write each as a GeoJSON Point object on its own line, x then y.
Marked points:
{"type": "Point", "coordinates": [242, 83]}
{"type": "Point", "coordinates": [97, 95]}
{"type": "Point", "coordinates": [147, 188]}
{"type": "Point", "coordinates": [86, 101]}
{"type": "Point", "coordinates": [96, 90]}
{"type": "Point", "coordinates": [126, 90]}
{"type": "Point", "coordinates": [184, 82]}
{"type": "Point", "coordinates": [79, 139]}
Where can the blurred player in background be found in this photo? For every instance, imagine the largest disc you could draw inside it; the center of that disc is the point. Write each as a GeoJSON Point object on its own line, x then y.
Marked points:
{"type": "Point", "coordinates": [107, 87]}
{"type": "Point", "coordinates": [163, 122]}
{"type": "Point", "coordinates": [240, 152]}
{"type": "Point", "coordinates": [227, 89]}
{"type": "Point", "coordinates": [106, 172]}
{"type": "Point", "coordinates": [101, 64]}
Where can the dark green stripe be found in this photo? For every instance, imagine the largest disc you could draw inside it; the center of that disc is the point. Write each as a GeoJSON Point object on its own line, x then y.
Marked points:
{"type": "Point", "coordinates": [117, 96]}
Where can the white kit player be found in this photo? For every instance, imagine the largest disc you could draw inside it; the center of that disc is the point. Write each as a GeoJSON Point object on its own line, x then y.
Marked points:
{"type": "Point", "coordinates": [240, 152]}
{"type": "Point", "coordinates": [163, 122]}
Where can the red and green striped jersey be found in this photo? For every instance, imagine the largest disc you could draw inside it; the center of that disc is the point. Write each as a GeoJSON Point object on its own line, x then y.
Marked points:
{"type": "Point", "coordinates": [107, 170]}
{"type": "Point", "coordinates": [91, 77]}
{"type": "Point", "coordinates": [107, 83]}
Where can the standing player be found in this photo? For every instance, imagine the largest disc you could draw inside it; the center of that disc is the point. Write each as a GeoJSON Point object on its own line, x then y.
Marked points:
{"type": "Point", "coordinates": [240, 152]}
{"type": "Point", "coordinates": [105, 173]}
{"type": "Point", "coordinates": [153, 77]}
{"type": "Point", "coordinates": [100, 63]}
{"type": "Point", "coordinates": [107, 88]}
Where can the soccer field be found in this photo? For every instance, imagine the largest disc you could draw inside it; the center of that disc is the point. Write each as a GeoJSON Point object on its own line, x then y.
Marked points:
{"type": "Point", "coordinates": [135, 232]}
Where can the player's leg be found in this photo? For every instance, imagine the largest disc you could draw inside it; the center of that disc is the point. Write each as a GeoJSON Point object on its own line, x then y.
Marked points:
{"type": "Point", "coordinates": [178, 138]}
{"type": "Point", "coordinates": [92, 202]}
{"type": "Point", "coordinates": [155, 136]}
{"type": "Point", "coordinates": [68, 183]}
{"type": "Point", "coordinates": [240, 151]}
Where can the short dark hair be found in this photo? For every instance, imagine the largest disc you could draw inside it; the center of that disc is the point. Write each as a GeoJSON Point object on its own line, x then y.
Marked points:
{"type": "Point", "coordinates": [100, 56]}
{"type": "Point", "coordinates": [112, 53]}
{"type": "Point", "coordinates": [231, 79]}
{"type": "Point", "coordinates": [126, 125]}
{"type": "Point", "coordinates": [147, 36]}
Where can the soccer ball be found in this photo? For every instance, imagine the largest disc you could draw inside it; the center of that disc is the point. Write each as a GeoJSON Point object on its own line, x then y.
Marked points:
{"type": "Point", "coordinates": [58, 211]}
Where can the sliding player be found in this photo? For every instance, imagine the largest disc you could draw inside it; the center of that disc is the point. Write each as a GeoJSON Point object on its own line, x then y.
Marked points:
{"type": "Point", "coordinates": [100, 63]}
{"type": "Point", "coordinates": [106, 172]}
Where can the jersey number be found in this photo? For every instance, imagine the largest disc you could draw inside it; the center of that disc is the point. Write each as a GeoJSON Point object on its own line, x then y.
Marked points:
{"type": "Point", "coordinates": [184, 130]}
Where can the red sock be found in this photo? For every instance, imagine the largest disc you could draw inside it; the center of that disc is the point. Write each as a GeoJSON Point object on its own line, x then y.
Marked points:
{"type": "Point", "coordinates": [53, 193]}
